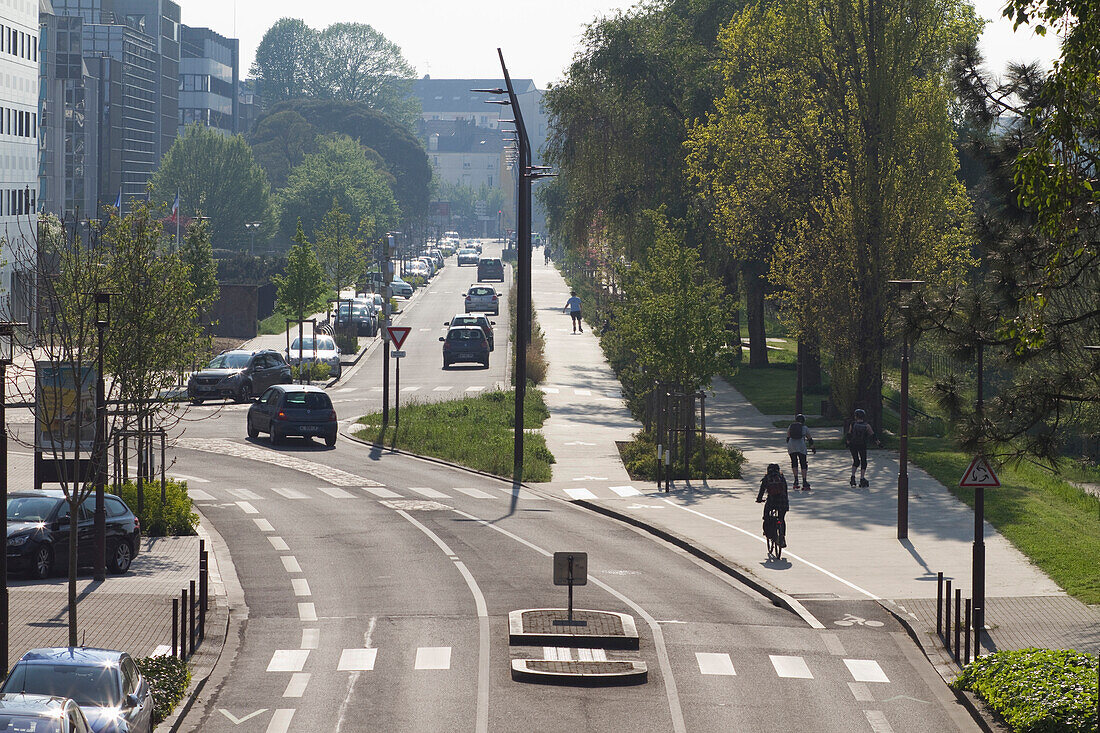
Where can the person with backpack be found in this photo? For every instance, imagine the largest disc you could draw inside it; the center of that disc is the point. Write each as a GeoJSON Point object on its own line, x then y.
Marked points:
{"type": "Point", "coordinates": [798, 441]}
{"type": "Point", "coordinates": [774, 484]}
{"type": "Point", "coordinates": [859, 435]}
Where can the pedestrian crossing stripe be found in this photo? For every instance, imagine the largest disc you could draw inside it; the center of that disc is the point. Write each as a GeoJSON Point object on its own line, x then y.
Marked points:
{"type": "Point", "coordinates": [714, 663]}
{"type": "Point", "coordinates": [791, 667]}
{"type": "Point", "coordinates": [429, 493]}
{"type": "Point", "coordinates": [580, 494]}
{"type": "Point", "coordinates": [433, 657]}
{"type": "Point", "coordinates": [865, 670]}
{"type": "Point", "coordinates": [290, 493]}
{"type": "Point", "coordinates": [625, 491]}
{"type": "Point", "coordinates": [335, 493]}
{"type": "Point", "coordinates": [381, 493]}
{"type": "Point", "coordinates": [357, 660]}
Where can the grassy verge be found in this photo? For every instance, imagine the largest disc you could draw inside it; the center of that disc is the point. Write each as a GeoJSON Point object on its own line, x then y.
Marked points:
{"type": "Point", "coordinates": [771, 389]}
{"type": "Point", "coordinates": [475, 432]}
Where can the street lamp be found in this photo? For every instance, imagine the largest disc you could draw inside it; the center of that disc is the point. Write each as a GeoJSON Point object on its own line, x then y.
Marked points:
{"type": "Point", "coordinates": [904, 287]}
{"type": "Point", "coordinates": [252, 227]}
{"type": "Point", "coordinates": [99, 571]}
{"type": "Point", "coordinates": [7, 352]}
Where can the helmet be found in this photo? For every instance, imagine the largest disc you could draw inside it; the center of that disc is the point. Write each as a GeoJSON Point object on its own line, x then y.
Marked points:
{"type": "Point", "coordinates": [800, 418]}
{"type": "Point", "coordinates": [860, 414]}
{"type": "Point", "coordinates": [773, 468]}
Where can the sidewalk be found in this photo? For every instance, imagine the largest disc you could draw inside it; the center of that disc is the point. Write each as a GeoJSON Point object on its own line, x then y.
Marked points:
{"type": "Point", "coordinates": [843, 542]}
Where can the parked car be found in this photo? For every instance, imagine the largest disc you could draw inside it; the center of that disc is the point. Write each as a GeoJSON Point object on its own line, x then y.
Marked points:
{"type": "Point", "coordinates": [401, 288]}
{"type": "Point", "coordinates": [318, 349]}
{"type": "Point", "coordinates": [106, 684]}
{"type": "Point", "coordinates": [465, 343]}
{"type": "Point", "coordinates": [490, 268]}
{"type": "Point", "coordinates": [483, 298]}
{"type": "Point", "coordinates": [430, 263]}
{"type": "Point", "coordinates": [238, 374]}
{"type": "Point", "coordinates": [417, 268]}
{"type": "Point", "coordinates": [23, 712]}
{"type": "Point", "coordinates": [38, 533]}
{"type": "Point", "coordinates": [467, 256]}
{"type": "Point", "coordinates": [293, 409]}
{"type": "Point", "coordinates": [362, 317]}
{"type": "Point", "coordinates": [470, 319]}
{"type": "Point", "coordinates": [437, 255]}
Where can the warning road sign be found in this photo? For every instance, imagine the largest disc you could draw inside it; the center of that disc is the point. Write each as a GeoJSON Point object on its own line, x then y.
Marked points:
{"type": "Point", "coordinates": [979, 474]}
{"type": "Point", "coordinates": [398, 334]}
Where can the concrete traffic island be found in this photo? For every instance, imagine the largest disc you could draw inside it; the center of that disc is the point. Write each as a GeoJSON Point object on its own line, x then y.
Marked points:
{"type": "Point", "coordinates": [574, 648]}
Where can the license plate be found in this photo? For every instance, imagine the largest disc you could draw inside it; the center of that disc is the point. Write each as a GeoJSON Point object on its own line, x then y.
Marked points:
{"type": "Point", "coordinates": [310, 428]}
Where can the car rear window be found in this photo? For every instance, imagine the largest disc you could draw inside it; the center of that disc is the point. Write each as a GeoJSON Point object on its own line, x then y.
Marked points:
{"type": "Point", "coordinates": [308, 400]}
{"type": "Point", "coordinates": [465, 334]}
{"type": "Point", "coordinates": [482, 291]}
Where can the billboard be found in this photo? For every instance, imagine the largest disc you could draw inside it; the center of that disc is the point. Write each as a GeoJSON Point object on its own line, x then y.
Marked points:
{"type": "Point", "coordinates": [64, 408]}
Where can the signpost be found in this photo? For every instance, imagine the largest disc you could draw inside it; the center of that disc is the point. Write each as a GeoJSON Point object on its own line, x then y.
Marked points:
{"type": "Point", "coordinates": [570, 568]}
{"type": "Point", "coordinates": [397, 334]}
{"type": "Point", "coordinates": [978, 476]}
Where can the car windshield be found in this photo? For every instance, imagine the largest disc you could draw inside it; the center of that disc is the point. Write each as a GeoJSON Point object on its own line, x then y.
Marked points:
{"type": "Point", "coordinates": [29, 509]}
{"type": "Point", "coordinates": [229, 361]}
{"type": "Point", "coordinates": [308, 400]}
{"type": "Point", "coordinates": [29, 724]}
{"type": "Point", "coordinates": [87, 684]}
{"type": "Point", "coordinates": [323, 344]}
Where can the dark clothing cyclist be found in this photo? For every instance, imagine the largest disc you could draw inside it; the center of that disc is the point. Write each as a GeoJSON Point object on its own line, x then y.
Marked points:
{"type": "Point", "coordinates": [774, 484]}
{"type": "Point", "coordinates": [859, 435]}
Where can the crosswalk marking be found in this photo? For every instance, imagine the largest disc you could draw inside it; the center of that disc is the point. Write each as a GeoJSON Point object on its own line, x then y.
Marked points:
{"type": "Point", "coordinates": [263, 525]}
{"type": "Point", "coordinates": [557, 654]}
{"type": "Point", "coordinates": [522, 494]}
{"type": "Point", "coordinates": [714, 663]}
{"type": "Point", "coordinates": [335, 493]}
{"type": "Point", "coordinates": [474, 389]}
{"type": "Point", "coordinates": [625, 491]}
{"type": "Point", "coordinates": [307, 612]}
{"type": "Point", "coordinates": [409, 389]}
{"type": "Point", "coordinates": [280, 721]}
{"type": "Point", "coordinates": [592, 655]}
{"type": "Point", "coordinates": [429, 493]}
{"type": "Point", "coordinates": [300, 586]}
{"type": "Point", "coordinates": [247, 508]}
{"type": "Point", "coordinates": [832, 643]}
{"type": "Point", "coordinates": [290, 564]}
{"type": "Point", "coordinates": [290, 493]}
{"type": "Point", "coordinates": [310, 638]}
{"type": "Point", "coordinates": [866, 670]}
{"type": "Point", "coordinates": [443, 388]}
{"type": "Point", "coordinates": [357, 660]}
{"type": "Point", "coordinates": [582, 392]}
{"type": "Point", "coordinates": [381, 493]}
{"type": "Point", "coordinates": [793, 667]}
{"type": "Point", "coordinates": [878, 721]}
{"type": "Point", "coordinates": [199, 495]}
{"type": "Point", "coordinates": [474, 493]}
{"type": "Point", "coordinates": [162, 651]}
{"type": "Point", "coordinates": [245, 494]}
{"type": "Point", "coordinates": [550, 390]}
{"type": "Point", "coordinates": [861, 692]}
{"type": "Point", "coordinates": [433, 657]}
{"type": "Point", "coordinates": [580, 494]}
{"type": "Point", "coordinates": [288, 660]}
{"type": "Point", "coordinates": [346, 389]}
{"type": "Point", "coordinates": [297, 685]}
{"type": "Point", "coordinates": [278, 543]}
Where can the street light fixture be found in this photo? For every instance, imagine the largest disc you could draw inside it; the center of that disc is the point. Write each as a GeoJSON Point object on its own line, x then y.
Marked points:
{"type": "Point", "coordinates": [7, 353]}
{"type": "Point", "coordinates": [904, 288]}
{"type": "Point", "coordinates": [252, 227]}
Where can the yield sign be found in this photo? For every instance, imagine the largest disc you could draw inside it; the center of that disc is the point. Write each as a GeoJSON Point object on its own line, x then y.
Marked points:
{"type": "Point", "coordinates": [398, 334]}
{"type": "Point", "coordinates": [979, 474]}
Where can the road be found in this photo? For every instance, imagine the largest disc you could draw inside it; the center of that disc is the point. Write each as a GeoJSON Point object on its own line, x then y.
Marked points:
{"type": "Point", "coordinates": [376, 590]}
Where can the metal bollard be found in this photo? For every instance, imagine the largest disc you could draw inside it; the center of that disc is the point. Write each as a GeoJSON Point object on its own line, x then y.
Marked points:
{"type": "Point", "coordinates": [175, 626]}
{"type": "Point", "coordinates": [660, 455]}
{"type": "Point", "coordinates": [977, 633]}
{"type": "Point", "coordinates": [203, 583]}
{"type": "Point", "coordinates": [966, 633]}
{"type": "Point", "coordinates": [183, 624]}
{"type": "Point", "coordinates": [958, 626]}
{"type": "Point", "coordinates": [947, 620]}
{"type": "Point", "coordinates": [939, 604]}
{"type": "Point", "coordinates": [191, 629]}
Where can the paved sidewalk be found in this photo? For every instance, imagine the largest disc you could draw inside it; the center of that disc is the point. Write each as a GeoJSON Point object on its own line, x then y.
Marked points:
{"type": "Point", "coordinates": [843, 542]}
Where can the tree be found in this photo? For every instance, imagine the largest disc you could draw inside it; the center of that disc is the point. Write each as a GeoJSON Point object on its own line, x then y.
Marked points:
{"type": "Point", "coordinates": [197, 255]}
{"type": "Point", "coordinates": [359, 64]}
{"type": "Point", "coordinates": [281, 141]}
{"type": "Point", "coordinates": [218, 176]}
{"type": "Point", "coordinates": [287, 61]}
{"type": "Point", "coordinates": [341, 252]}
{"type": "Point", "coordinates": [301, 288]}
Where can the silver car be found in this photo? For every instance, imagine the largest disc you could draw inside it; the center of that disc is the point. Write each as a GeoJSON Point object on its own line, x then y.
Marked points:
{"type": "Point", "coordinates": [482, 298]}
{"type": "Point", "coordinates": [41, 713]}
{"type": "Point", "coordinates": [318, 349]}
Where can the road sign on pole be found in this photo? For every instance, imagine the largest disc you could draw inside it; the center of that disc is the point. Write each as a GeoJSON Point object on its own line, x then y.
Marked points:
{"type": "Point", "coordinates": [398, 334]}
{"type": "Point", "coordinates": [979, 474]}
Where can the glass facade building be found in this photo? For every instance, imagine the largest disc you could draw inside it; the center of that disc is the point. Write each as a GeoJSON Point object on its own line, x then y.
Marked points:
{"type": "Point", "coordinates": [209, 76]}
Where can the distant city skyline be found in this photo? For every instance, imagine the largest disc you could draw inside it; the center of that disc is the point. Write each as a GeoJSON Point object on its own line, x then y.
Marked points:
{"type": "Point", "coordinates": [452, 41]}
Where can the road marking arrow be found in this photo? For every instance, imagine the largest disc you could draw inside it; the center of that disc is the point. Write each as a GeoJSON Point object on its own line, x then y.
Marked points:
{"type": "Point", "coordinates": [238, 721]}
{"type": "Point", "coordinates": [905, 697]}
{"type": "Point", "coordinates": [591, 478]}
{"type": "Point", "coordinates": [579, 442]}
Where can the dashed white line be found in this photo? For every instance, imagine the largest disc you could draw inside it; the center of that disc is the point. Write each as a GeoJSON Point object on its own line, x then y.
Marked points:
{"type": "Point", "coordinates": [288, 660]}
{"type": "Point", "coordinates": [625, 491]}
{"type": "Point", "coordinates": [245, 494]}
{"type": "Point", "coordinates": [247, 508]}
{"type": "Point", "coordinates": [300, 586]}
{"type": "Point", "coordinates": [474, 493]}
{"type": "Point", "coordinates": [433, 657]}
{"type": "Point", "coordinates": [310, 638]}
{"type": "Point", "coordinates": [791, 667]}
{"type": "Point", "coordinates": [443, 388]}
{"type": "Point", "coordinates": [290, 564]}
{"type": "Point", "coordinates": [278, 543]}
{"type": "Point", "coordinates": [297, 685]}
{"type": "Point", "coordinates": [833, 645]}
{"type": "Point", "coordinates": [335, 493]}
{"type": "Point", "coordinates": [290, 493]}
{"type": "Point", "coordinates": [357, 660]}
{"type": "Point", "coordinates": [861, 692]}
{"type": "Point", "coordinates": [381, 493]}
{"type": "Point", "coordinates": [866, 670]}
{"type": "Point", "coordinates": [474, 389]}
{"type": "Point", "coordinates": [307, 612]}
{"type": "Point", "coordinates": [199, 495]}
{"type": "Point", "coordinates": [263, 525]}
{"type": "Point", "coordinates": [280, 721]}
{"type": "Point", "coordinates": [580, 494]}
{"type": "Point", "coordinates": [428, 493]}
{"type": "Point", "coordinates": [582, 392]}
{"type": "Point", "coordinates": [714, 663]}
{"type": "Point", "coordinates": [878, 721]}
{"type": "Point", "coordinates": [409, 389]}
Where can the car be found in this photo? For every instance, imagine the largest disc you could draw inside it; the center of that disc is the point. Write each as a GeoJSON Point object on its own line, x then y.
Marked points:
{"type": "Point", "coordinates": [417, 268]}
{"type": "Point", "coordinates": [467, 256]}
{"type": "Point", "coordinates": [28, 713]}
{"type": "Point", "coordinates": [437, 255]}
{"type": "Point", "coordinates": [106, 684]}
{"type": "Point", "coordinates": [477, 247]}
{"type": "Point", "coordinates": [483, 298]}
{"type": "Point", "coordinates": [490, 268]}
{"type": "Point", "coordinates": [433, 266]}
{"type": "Point", "coordinates": [38, 532]}
{"type": "Point", "coordinates": [292, 409]}
{"type": "Point", "coordinates": [319, 349]}
{"type": "Point", "coordinates": [465, 343]}
{"type": "Point", "coordinates": [363, 317]}
{"type": "Point", "coordinates": [238, 374]}
{"type": "Point", "coordinates": [377, 304]}
{"type": "Point", "coordinates": [402, 288]}
{"type": "Point", "coordinates": [470, 319]}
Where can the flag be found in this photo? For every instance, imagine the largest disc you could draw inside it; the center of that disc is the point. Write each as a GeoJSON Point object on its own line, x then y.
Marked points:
{"type": "Point", "coordinates": [176, 207]}
{"type": "Point", "coordinates": [118, 201]}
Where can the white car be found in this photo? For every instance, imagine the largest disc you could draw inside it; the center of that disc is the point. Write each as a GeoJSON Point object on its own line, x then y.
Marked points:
{"type": "Point", "coordinates": [418, 269]}
{"type": "Point", "coordinates": [315, 349]}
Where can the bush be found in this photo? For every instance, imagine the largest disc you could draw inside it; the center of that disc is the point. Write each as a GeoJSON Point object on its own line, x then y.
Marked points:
{"type": "Point", "coordinates": [640, 458]}
{"type": "Point", "coordinates": [175, 518]}
{"type": "Point", "coordinates": [347, 344]}
{"type": "Point", "coordinates": [314, 372]}
{"type": "Point", "coordinates": [169, 678]}
{"type": "Point", "coordinates": [1036, 690]}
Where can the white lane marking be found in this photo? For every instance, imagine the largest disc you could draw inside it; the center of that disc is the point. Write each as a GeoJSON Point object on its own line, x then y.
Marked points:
{"type": "Point", "coordinates": [290, 493]}
{"type": "Point", "coordinates": [760, 538]}
{"type": "Point", "coordinates": [310, 638]}
{"type": "Point", "coordinates": [300, 586]}
{"type": "Point", "coordinates": [474, 493]}
{"type": "Point", "coordinates": [247, 508]}
{"type": "Point", "coordinates": [240, 449]}
{"type": "Point", "coordinates": [307, 612]}
{"type": "Point", "coordinates": [335, 493]}
{"type": "Point", "coordinates": [474, 389]}
{"type": "Point", "coordinates": [375, 389]}
{"type": "Point", "coordinates": [341, 713]}
{"type": "Point", "coordinates": [428, 493]}
{"type": "Point", "coordinates": [409, 389]}
{"type": "Point", "coordinates": [288, 660]}
{"type": "Point", "coordinates": [237, 721]}
{"type": "Point", "coordinates": [290, 564]}
{"type": "Point", "coordinates": [433, 657]}
{"type": "Point", "coordinates": [199, 495]}
{"type": "Point", "coordinates": [357, 660]}
{"type": "Point", "coordinates": [381, 493]}
{"type": "Point", "coordinates": [278, 543]}
{"type": "Point", "coordinates": [582, 392]}
{"type": "Point", "coordinates": [245, 494]}
{"type": "Point", "coordinates": [187, 478]}
{"type": "Point", "coordinates": [833, 645]}
{"type": "Point", "coordinates": [443, 388]}
{"type": "Point", "coordinates": [346, 389]}
{"type": "Point", "coordinates": [280, 721]}
{"type": "Point", "coordinates": [522, 494]}
{"type": "Point", "coordinates": [263, 525]}
{"type": "Point", "coordinates": [592, 655]}
{"type": "Point", "coordinates": [861, 692]}
{"type": "Point", "coordinates": [792, 667]}
{"type": "Point", "coordinates": [162, 651]}
{"type": "Point", "coordinates": [714, 663]}
{"type": "Point", "coordinates": [866, 670]}
{"type": "Point", "coordinates": [297, 685]}
{"type": "Point", "coordinates": [878, 721]}
{"type": "Point", "coordinates": [422, 330]}
{"type": "Point", "coordinates": [590, 478]}
{"type": "Point", "coordinates": [580, 494]}
{"type": "Point", "coordinates": [557, 654]}
{"type": "Point", "coordinates": [625, 491]}
{"type": "Point", "coordinates": [550, 390]}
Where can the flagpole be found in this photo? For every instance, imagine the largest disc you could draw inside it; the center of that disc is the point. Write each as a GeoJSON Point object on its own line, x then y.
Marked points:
{"type": "Point", "coordinates": [177, 220]}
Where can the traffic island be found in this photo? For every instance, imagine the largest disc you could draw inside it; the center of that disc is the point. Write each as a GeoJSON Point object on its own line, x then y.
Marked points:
{"type": "Point", "coordinates": [548, 671]}
{"type": "Point", "coordinates": [585, 629]}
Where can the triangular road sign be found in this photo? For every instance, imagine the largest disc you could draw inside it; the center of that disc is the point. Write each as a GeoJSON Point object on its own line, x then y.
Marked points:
{"type": "Point", "coordinates": [979, 474]}
{"type": "Point", "coordinates": [398, 334]}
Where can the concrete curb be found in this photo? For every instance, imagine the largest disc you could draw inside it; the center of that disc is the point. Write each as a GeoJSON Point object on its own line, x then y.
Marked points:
{"type": "Point", "coordinates": [517, 636]}
{"type": "Point", "coordinates": [635, 673]}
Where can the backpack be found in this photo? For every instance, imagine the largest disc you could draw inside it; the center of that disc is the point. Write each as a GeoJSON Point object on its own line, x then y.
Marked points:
{"type": "Point", "coordinates": [796, 431]}
{"type": "Point", "coordinates": [774, 484]}
{"type": "Point", "coordinates": [860, 431]}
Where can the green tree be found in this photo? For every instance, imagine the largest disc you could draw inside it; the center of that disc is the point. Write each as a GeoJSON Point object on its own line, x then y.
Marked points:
{"type": "Point", "coordinates": [218, 176]}
{"type": "Point", "coordinates": [287, 61]}
{"type": "Point", "coordinates": [197, 255]}
{"type": "Point", "coordinates": [281, 141]}
{"type": "Point", "coordinates": [340, 250]}
{"type": "Point", "coordinates": [359, 64]}
{"type": "Point", "coordinates": [301, 288]}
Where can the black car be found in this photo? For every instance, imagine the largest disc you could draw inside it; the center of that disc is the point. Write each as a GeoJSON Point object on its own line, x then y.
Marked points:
{"type": "Point", "coordinates": [238, 374]}
{"type": "Point", "coordinates": [293, 409]}
{"type": "Point", "coordinates": [38, 532]}
{"type": "Point", "coordinates": [471, 319]}
{"type": "Point", "coordinates": [465, 343]}
{"type": "Point", "coordinates": [362, 317]}
{"type": "Point", "coordinates": [490, 268]}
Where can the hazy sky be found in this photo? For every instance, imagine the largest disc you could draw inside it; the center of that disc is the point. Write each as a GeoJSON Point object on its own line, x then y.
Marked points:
{"type": "Point", "coordinates": [450, 39]}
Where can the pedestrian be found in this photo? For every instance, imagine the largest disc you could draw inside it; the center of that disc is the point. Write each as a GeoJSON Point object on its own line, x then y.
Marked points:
{"type": "Point", "coordinates": [774, 484]}
{"type": "Point", "coordinates": [859, 435]}
{"type": "Point", "coordinates": [798, 441]}
{"type": "Point", "coordinates": [574, 306]}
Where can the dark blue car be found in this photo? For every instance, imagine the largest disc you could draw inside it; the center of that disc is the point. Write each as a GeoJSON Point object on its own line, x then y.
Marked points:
{"type": "Point", "coordinates": [293, 409]}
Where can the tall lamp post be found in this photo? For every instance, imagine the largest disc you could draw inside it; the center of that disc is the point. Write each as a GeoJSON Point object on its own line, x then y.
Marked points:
{"type": "Point", "coordinates": [252, 227]}
{"type": "Point", "coordinates": [904, 288]}
{"type": "Point", "coordinates": [99, 571]}
{"type": "Point", "coordinates": [7, 352]}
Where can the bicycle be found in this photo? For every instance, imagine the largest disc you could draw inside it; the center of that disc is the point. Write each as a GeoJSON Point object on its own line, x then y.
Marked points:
{"type": "Point", "coordinates": [775, 531]}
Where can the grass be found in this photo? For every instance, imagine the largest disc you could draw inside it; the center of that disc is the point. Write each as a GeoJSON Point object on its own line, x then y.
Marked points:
{"type": "Point", "coordinates": [476, 432]}
{"type": "Point", "coordinates": [771, 388]}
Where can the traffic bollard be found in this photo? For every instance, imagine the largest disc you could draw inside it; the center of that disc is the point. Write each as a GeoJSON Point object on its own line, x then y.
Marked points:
{"type": "Point", "coordinates": [175, 626]}
{"type": "Point", "coordinates": [966, 633]}
{"type": "Point", "coordinates": [958, 618]}
{"type": "Point", "coordinates": [947, 619]}
{"type": "Point", "coordinates": [939, 604]}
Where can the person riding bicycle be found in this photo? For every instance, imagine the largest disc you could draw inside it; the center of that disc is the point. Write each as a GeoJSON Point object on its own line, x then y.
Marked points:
{"type": "Point", "coordinates": [798, 441]}
{"type": "Point", "coordinates": [774, 484]}
{"type": "Point", "coordinates": [859, 434]}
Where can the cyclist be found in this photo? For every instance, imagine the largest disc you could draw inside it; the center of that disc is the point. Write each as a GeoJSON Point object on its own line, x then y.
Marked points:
{"type": "Point", "coordinates": [775, 485]}
{"type": "Point", "coordinates": [798, 440]}
{"type": "Point", "coordinates": [859, 434]}
{"type": "Point", "coordinates": [574, 306]}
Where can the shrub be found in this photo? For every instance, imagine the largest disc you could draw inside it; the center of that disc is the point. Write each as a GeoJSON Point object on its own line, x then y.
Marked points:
{"type": "Point", "coordinates": [347, 344]}
{"type": "Point", "coordinates": [173, 519]}
{"type": "Point", "coordinates": [1036, 690]}
{"type": "Point", "coordinates": [168, 677]}
{"type": "Point", "coordinates": [640, 458]}
{"type": "Point", "coordinates": [314, 371]}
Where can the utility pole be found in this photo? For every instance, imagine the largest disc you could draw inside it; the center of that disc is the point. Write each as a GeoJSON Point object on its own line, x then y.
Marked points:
{"type": "Point", "coordinates": [387, 294]}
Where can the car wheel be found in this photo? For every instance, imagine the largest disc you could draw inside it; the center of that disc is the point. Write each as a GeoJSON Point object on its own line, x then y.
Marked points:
{"type": "Point", "coordinates": [330, 440]}
{"type": "Point", "coordinates": [251, 429]}
{"type": "Point", "coordinates": [196, 401]}
{"type": "Point", "coordinates": [276, 437]}
{"type": "Point", "coordinates": [42, 565]}
{"type": "Point", "coordinates": [244, 394]}
{"type": "Point", "coordinates": [119, 557]}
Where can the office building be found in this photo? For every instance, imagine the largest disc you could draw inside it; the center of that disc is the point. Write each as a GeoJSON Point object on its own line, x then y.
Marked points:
{"type": "Point", "coordinates": [208, 81]}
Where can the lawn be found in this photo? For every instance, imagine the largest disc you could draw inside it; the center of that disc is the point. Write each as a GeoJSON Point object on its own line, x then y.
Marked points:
{"type": "Point", "coordinates": [475, 432]}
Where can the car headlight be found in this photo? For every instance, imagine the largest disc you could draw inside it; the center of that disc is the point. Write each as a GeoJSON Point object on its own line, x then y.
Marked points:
{"type": "Point", "coordinates": [18, 541]}
{"type": "Point", "coordinates": [231, 379]}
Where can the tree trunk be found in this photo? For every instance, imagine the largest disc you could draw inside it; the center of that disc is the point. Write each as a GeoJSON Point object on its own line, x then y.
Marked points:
{"type": "Point", "coordinates": [74, 507]}
{"type": "Point", "coordinates": [811, 363]}
{"type": "Point", "coordinates": [754, 297]}
{"type": "Point", "coordinates": [733, 324]}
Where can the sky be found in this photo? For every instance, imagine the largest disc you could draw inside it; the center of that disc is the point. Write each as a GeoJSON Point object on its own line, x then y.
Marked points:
{"type": "Point", "coordinates": [449, 39]}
